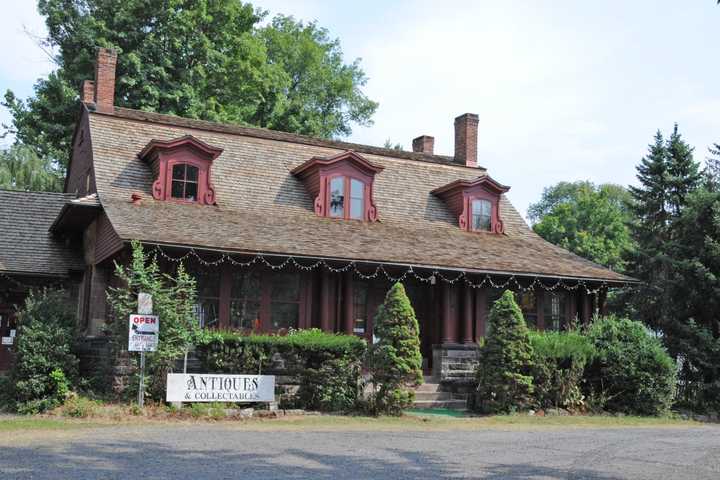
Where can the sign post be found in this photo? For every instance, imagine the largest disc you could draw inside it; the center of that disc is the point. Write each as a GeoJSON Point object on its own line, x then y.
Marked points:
{"type": "Point", "coordinates": [144, 330]}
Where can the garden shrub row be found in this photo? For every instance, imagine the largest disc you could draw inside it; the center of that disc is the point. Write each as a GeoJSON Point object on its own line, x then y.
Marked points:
{"type": "Point", "coordinates": [616, 365]}
{"type": "Point", "coordinates": [327, 365]}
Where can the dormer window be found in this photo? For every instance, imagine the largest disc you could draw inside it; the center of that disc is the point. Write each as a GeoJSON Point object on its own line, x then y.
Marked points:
{"type": "Point", "coordinates": [475, 202]}
{"type": "Point", "coordinates": [182, 169]}
{"type": "Point", "coordinates": [341, 186]}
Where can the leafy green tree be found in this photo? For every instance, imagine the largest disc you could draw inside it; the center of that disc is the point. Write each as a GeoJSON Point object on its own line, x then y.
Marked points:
{"type": "Point", "coordinates": [395, 360]}
{"type": "Point", "coordinates": [504, 376]}
{"type": "Point", "coordinates": [22, 169]}
{"type": "Point", "coordinates": [45, 366]}
{"type": "Point", "coordinates": [211, 60]}
{"type": "Point", "coordinates": [587, 219]}
{"type": "Point", "coordinates": [174, 299]}
{"type": "Point", "coordinates": [712, 170]}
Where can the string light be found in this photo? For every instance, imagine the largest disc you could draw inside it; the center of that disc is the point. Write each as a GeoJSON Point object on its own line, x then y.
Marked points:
{"type": "Point", "coordinates": [487, 280]}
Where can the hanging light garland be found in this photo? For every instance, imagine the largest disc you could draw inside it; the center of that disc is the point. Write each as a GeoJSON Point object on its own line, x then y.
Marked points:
{"type": "Point", "coordinates": [380, 270]}
{"type": "Point", "coordinates": [24, 286]}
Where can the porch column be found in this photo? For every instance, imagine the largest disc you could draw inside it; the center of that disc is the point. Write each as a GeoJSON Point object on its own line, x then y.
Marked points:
{"type": "Point", "coordinates": [224, 295]}
{"type": "Point", "coordinates": [481, 310]}
{"type": "Point", "coordinates": [467, 317]}
{"type": "Point", "coordinates": [449, 327]}
{"type": "Point", "coordinates": [325, 301]}
{"type": "Point", "coordinates": [348, 319]}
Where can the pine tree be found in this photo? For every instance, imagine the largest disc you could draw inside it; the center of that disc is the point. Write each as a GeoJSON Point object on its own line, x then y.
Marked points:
{"type": "Point", "coordinates": [395, 360]}
{"type": "Point", "coordinates": [650, 232]}
{"type": "Point", "coordinates": [712, 170]}
{"type": "Point", "coordinates": [683, 172]}
{"type": "Point", "coordinates": [504, 381]}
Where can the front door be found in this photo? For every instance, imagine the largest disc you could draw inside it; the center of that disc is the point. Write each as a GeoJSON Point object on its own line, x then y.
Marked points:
{"type": "Point", "coordinates": [7, 334]}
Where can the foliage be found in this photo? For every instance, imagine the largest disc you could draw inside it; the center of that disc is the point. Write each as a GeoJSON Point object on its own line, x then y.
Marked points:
{"type": "Point", "coordinates": [559, 360]}
{"type": "Point", "coordinates": [631, 369]}
{"type": "Point", "coordinates": [712, 170]}
{"type": "Point", "coordinates": [22, 169]}
{"type": "Point", "coordinates": [395, 361]}
{"type": "Point", "coordinates": [587, 219]}
{"type": "Point", "coordinates": [78, 406]}
{"type": "Point", "coordinates": [212, 60]}
{"type": "Point", "coordinates": [45, 366]}
{"type": "Point", "coordinates": [504, 373]}
{"type": "Point", "coordinates": [174, 298]}
{"type": "Point", "coordinates": [328, 365]}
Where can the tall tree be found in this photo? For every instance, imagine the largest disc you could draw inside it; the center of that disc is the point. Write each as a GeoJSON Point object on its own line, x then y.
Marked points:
{"type": "Point", "coordinates": [683, 172]}
{"type": "Point", "coordinates": [712, 169]}
{"type": "Point", "coordinates": [207, 59]}
{"type": "Point", "coordinates": [587, 219]}
{"type": "Point", "coordinates": [22, 169]}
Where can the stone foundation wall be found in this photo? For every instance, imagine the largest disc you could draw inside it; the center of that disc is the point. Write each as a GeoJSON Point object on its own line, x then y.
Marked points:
{"type": "Point", "coordinates": [454, 366]}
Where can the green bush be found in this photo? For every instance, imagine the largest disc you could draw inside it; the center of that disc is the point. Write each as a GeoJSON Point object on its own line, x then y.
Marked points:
{"type": "Point", "coordinates": [559, 360]}
{"type": "Point", "coordinates": [504, 372]}
{"type": "Point", "coordinates": [395, 361]}
{"type": "Point", "coordinates": [45, 367]}
{"type": "Point", "coordinates": [328, 365]}
{"type": "Point", "coordinates": [80, 407]}
{"type": "Point", "coordinates": [631, 370]}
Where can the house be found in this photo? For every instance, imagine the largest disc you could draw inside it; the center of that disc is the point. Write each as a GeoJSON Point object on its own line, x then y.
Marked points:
{"type": "Point", "coordinates": [284, 231]}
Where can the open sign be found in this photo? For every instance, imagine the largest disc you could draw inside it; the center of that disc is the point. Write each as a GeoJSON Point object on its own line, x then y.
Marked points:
{"type": "Point", "coordinates": [143, 333]}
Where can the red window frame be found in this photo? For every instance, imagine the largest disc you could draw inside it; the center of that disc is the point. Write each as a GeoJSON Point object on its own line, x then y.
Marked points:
{"type": "Point", "coordinates": [347, 197]}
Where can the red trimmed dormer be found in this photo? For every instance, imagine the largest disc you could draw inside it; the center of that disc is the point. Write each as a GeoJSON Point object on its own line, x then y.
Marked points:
{"type": "Point", "coordinates": [475, 202]}
{"type": "Point", "coordinates": [182, 169]}
{"type": "Point", "coordinates": [342, 186]}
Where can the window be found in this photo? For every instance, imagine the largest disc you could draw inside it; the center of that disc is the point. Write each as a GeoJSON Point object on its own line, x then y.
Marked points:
{"type": "Point", "coordinates": [184, 182]}
{"type": "Point", "coordinates": [555, 310]}
{"type": "Point", "coordinates": [338, 207]}
{"type": "Point", "coordinates": [528, 305]}
{"type": "Point", "coordinates": [245, 298]}
{"type": "Point", "coordinates": [360, 310]}
{"type": "Point", "coordinates": [207, 308]}
{"type": "Point", "coordinates": [481, 220]}
{"type": "Point", "coordinates": [284, 300]}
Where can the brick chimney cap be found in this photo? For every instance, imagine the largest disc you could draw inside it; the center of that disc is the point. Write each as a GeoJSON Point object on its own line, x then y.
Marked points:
{"type": "Point", "coordinates": [468, 116]}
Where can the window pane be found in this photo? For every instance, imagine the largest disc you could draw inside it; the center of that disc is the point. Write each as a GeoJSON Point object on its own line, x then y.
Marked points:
{"type": "Point", "coordinates": [337, 197]}
{"type": "Point", "coordinates": [555, 310]}
{"type": "Point", "coordinates": [357, 196]}
{"type": "Point", "coordinates": [360, 297]}
{"type": "Point", "coordinates": [245, 284]}
{"type": "Point", "coordinates": [284, 315]}
{"type": "Point", "coordinates": [192, 173]}
{"type": "Point", "coordinates": [481, 215]}
{"type": "Point", "coordinates": [244, 313]}
{"type": "Point", "coordinates": [191, 191]}
{"type": "Point", "coordinates": [178, 172]}
{"type": "Point", "coordinates": [528, 305]}
{"type": "Point", "coordinates": [208, 281]}
{"type": "Point", "coordinates": [207, 312]}
{"type": "Point", "coordinates": [178, 189]}
{"type": "Point", "coordinates": [285, 287]}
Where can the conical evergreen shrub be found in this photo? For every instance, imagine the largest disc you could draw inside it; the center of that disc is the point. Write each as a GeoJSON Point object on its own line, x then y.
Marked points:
{"type": "Point", "coordinates": [504, 380]}
{"type": "Point", "coordinates": [395, 360]}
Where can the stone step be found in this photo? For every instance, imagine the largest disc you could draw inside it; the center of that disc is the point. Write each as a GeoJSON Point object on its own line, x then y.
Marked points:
{"type": "Point", "coordinates": [450, 404]}
{"type": "Point", "coordinates": [428, 388]}
{"type": "Point", "coordinates": [435, 396]}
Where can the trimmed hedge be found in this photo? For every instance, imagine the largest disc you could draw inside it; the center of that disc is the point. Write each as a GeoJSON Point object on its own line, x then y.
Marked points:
{"type": "Point", "coordinates": [328, 365]}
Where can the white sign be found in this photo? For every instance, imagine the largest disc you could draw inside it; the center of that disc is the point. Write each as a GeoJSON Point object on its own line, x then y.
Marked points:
{"type": "Point", "coordinates": [7, 340]}
{"type": "Point", "coordinates": [12, 332]}
{"type": "Point", "coordinates": [208, 387]}
{"type": "Point", "coordinates": [145, 304]}
{"type": "Point", "coordinates": [143, 334]}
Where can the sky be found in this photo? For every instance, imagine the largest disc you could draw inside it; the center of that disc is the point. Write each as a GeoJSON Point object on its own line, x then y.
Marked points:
{"type": "Point", "coordinates": [564, 90]}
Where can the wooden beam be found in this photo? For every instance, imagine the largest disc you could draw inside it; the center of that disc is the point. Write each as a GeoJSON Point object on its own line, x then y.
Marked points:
{"type": "Point", "coordinates": [325, 302]}
{"type": "Point", "coordinates": [467, 317]}
{"type": "Point", "coordinates": [348, 314]}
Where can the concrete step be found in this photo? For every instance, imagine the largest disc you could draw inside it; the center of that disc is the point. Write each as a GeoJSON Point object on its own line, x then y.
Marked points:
{"type": "Point", "coordinates": [428, 388]}
{"type": "Point", "coordinates": [436, 396]}
{"type": "Point", "coordinates": [450, 404]}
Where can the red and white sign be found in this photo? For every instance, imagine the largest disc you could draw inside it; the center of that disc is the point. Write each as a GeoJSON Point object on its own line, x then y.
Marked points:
{"type": "Point", "coordinates": [143, 333]}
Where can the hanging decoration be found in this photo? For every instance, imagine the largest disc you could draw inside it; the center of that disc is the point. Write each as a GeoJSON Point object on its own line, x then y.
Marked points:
{"type": "Point", "coordinates": [380, 270]}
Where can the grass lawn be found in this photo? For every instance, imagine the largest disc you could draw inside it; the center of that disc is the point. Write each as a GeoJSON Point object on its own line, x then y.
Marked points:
{"type": "Point", "coordinates": [337, 422]}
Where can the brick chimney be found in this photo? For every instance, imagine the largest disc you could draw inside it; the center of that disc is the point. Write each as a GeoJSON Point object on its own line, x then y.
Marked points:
{"type": "Point", "coordinates": [466, 135]}
{"type": "Point", "coordinates": [102, 90]}
{"type": "Point", "coordinates": [424, 144]}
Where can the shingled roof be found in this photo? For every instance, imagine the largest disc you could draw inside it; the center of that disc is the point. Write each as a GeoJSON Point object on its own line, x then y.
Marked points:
{"type": "Point", "coordinates": [262, 208]}
{"type": "Point", "coordinates": [26, 245]}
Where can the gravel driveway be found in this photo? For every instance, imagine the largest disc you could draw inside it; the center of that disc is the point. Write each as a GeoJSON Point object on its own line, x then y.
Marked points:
{"type": "Point", "coordinates": [226, 451]}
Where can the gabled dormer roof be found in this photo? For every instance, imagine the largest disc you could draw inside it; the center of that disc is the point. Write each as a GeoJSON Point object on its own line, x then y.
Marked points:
{"type": "Point", "coordinates": [350, 157]}
{"type": "Point", "coordinates": [156, 146]}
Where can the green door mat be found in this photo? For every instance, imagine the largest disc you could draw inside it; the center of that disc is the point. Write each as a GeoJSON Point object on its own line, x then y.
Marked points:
{"type": "Point", "coordinates": [427, 412]}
